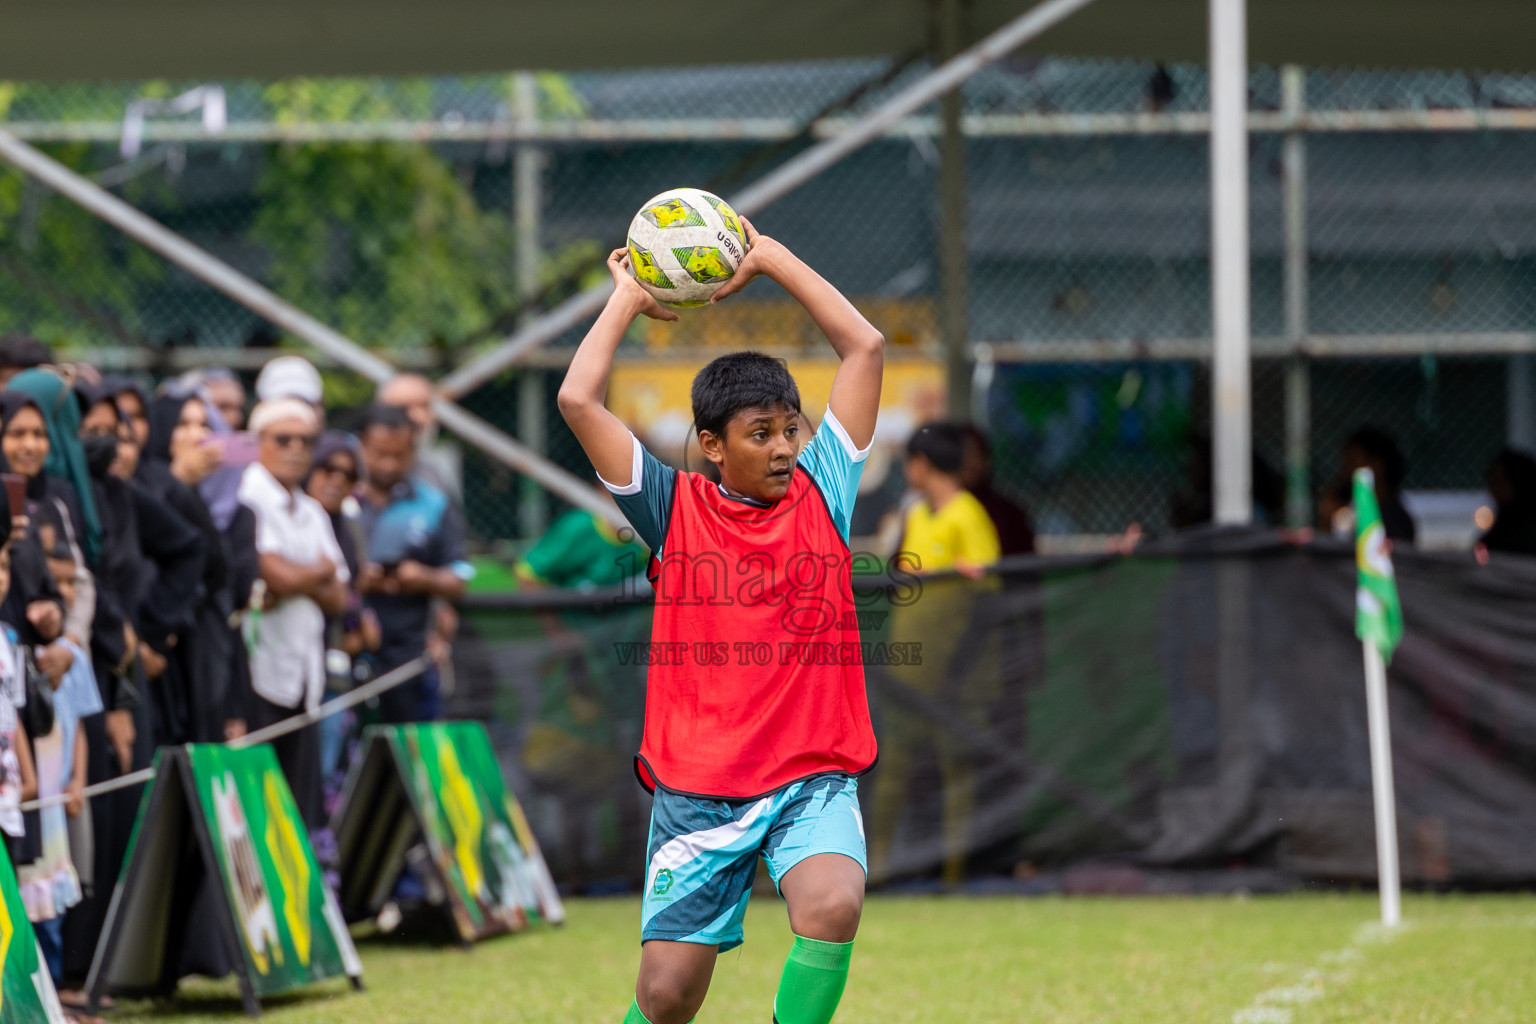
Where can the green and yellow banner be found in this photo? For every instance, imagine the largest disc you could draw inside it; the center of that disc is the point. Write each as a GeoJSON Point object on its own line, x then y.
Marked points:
{"type": "Point", "coordinates": [438, 784]}
{"type": "Point", "coordinates": [491, 866]}
{"type": "Point", "coordinates": [223, 817]}
{"type": "Point", "coordinates": [290, 930]}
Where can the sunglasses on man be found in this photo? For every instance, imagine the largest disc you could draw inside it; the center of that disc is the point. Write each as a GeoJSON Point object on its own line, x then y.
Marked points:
{"type": "Point", "coordinates": [289, 440]}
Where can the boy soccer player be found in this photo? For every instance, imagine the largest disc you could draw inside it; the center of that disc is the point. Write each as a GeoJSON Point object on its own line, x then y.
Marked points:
{"type": "Point", "coordinates": [756, 722]}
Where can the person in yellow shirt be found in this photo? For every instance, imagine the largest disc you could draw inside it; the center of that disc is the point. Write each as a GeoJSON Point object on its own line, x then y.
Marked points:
{"type": "Point", "coordinates": [947, 531]}
{"type": "Point", "coordinates": [947, 528]}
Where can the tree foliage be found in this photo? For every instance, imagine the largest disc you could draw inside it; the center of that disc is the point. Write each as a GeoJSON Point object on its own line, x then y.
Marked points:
{"type": "Point", "coordinates": [385, 241]}
{"type": "Point", "coordinates": [382, 241]}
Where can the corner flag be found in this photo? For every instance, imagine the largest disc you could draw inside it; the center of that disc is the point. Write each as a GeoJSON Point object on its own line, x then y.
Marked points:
{"type": "Point", "coordinates": [1378, 614]}
{"type": "Point", "coordinates": [1379, 625]}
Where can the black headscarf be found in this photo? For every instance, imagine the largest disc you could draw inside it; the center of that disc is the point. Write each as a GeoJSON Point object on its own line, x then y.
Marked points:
{"type": "Point", "coordinates": [66, 459]}
{"type": "Point", "coordinates": [1514, 525]}
{"type": "Point", "coordinates": [164, 414]}
{"type": "Point", "coordinates": [100, 451]}
{"type": "Point", "coordinates": [114, 386]}
{"type": "Point", "coordinates": [334, 442]}
{"type": "Point", "coordinates": [30, 578]}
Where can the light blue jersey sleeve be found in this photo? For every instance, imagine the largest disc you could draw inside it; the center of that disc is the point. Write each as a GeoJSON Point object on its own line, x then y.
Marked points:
{"type": "Point", "coordinates": [646, 500]}
{"type": "Point", "coordinates": [836, 465]}
{"type": "Point", "coordinates": [76, 698]}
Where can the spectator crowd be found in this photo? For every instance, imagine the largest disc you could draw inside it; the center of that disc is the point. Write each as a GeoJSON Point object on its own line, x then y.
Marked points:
{"type": "Point", "coordinates": [181, 568]}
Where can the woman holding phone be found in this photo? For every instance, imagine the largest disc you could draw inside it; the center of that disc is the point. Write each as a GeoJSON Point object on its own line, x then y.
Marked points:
{"type": "Point", "coordinates": [48, 455]}
{"type": "Point", "coordinates": [50, 506]}
{"type": "Point", "coordinates": [181, 454]}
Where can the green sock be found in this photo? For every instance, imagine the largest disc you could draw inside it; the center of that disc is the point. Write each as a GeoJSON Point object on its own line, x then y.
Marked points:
{"type": "Point", "coordinates": [812, 983]}
{"type": "Point", "coordinates": [634, 1016]}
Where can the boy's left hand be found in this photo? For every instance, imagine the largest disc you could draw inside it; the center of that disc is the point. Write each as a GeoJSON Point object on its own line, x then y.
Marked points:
{"type": "Point", "coordinates": [761, 251]}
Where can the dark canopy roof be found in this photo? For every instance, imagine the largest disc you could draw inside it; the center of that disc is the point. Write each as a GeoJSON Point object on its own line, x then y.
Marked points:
{"type": "Point", "coordinates": [103, 39]}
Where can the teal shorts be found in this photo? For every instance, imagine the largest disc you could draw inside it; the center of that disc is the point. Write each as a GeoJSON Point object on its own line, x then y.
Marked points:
{"type": "Point", "coordinates": [703, 853]}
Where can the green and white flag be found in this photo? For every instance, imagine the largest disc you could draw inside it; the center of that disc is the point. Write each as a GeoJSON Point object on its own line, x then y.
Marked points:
{"type": "Point", "coordinates": [1378, 614]}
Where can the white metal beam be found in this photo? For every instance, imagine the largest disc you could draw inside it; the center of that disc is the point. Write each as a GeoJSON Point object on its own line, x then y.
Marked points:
{"type": "Point", "coordinates": [1298, 377]}
{"type": "Point", "coordinates": [1231, 397]}
{"type": "Point", "coordinates": [954, 245]}
{"type": "Point", "coordinates": [779, 129]}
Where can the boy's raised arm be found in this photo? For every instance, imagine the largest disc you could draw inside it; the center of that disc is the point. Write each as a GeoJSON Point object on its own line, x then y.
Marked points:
{"type": "Point", "coordinates": [855, 395]}
{"type": "Point", "coordinates": [603, 436]}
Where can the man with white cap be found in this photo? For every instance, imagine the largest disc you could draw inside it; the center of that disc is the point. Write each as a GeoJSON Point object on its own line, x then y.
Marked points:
{"type": "Point", "coordinates": [304, 575]}
{"type": "Point", "coordinates": [290, 377]}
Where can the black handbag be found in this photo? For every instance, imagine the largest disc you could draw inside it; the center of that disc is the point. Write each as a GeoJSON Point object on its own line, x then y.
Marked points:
{"type": "Point", "coordinates": [37, 715]}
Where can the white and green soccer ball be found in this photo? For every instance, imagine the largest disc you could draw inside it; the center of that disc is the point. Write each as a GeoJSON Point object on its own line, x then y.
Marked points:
{"type": "Point", "coordinates": [684, 244]}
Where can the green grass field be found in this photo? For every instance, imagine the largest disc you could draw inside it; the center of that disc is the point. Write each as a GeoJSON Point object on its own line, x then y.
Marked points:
{"type": "Point", "coordinates": [947, 960]}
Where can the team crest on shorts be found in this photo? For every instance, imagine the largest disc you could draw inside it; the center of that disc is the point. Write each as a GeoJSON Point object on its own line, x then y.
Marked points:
{"type": "Point", "coordinates": [663, 882]}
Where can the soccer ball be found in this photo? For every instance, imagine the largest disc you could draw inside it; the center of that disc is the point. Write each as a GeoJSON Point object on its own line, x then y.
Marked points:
{"type": "Point", "coordinates": [684, 244]}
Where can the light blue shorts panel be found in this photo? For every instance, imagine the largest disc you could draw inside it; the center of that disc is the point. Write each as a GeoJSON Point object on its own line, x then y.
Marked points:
{"type": "Point", "coordinates": [703, 853]}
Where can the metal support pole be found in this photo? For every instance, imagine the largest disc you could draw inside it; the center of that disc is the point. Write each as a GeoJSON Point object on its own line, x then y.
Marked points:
{"type": "Point", "coordinates": [781, 181]}
{"type": "Point", "coordinates": [532, 419]}
{"type": "Point", "coordinates": [1231, 400]}
{"type": "Point", "coordinates": [1520, 411]}
{"type": "Point", "coordinates": [1382, 790]}
{"type": "Point", "coordinates": [954, 255]}
{"type": "Point", "coordinates": [1298, 380]}
{"type": "Point", "coordinates": [264, 303]}
{"type": "Point", "coordinates": [527, 207]}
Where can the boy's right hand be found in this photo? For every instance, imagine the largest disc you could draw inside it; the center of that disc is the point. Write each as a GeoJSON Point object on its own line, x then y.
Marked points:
{"type": "Point", "coordinates": [627, 289]}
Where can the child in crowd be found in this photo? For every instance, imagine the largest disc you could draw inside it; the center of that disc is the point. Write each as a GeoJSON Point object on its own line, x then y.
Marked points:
{"type": "Point", "coordinates": [947, 534]}
{"type": "Point", "coordinates": [947, 527]}
{"type": "Point", "coordinates": [18, 781]}
{"type": "Point", "coordinates": [50, 884]}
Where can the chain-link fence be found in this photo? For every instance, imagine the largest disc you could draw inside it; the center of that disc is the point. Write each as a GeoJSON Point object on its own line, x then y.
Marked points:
{"type": "Point", "coordinates": [389, 209]}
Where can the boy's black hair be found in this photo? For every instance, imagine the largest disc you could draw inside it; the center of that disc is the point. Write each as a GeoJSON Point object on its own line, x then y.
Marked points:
{"type": "Point", "coordinates": [741, 380]}
{"type": "Point", "coordinates": [387, 417]}
{"type": "Point", "coordinates": [942, 444]}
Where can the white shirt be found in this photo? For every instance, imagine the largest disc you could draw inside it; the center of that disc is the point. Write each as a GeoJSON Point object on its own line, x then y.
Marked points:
{"type": "Point", "coordinates": [13, 695]}
{"type": "Point", "coordinates": [288, 664]}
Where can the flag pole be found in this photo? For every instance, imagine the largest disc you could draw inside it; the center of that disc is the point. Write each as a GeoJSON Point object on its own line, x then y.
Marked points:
{"type": "Point", "coordinates": [1381, 785]}
{"type": "Point", "coordinates": [1379, 625]}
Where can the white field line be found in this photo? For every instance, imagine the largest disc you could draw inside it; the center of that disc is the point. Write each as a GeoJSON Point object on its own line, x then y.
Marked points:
{"type": "Point", "coordinates": [1277, 1005]}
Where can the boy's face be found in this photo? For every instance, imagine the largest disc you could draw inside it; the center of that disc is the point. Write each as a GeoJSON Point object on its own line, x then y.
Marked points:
{"type": "Point", "coordinates": [63, 570]}
{"type": "Point", "coordinates": [757, 454]}
{"type": "Point", "coordinates": [918, 469]}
